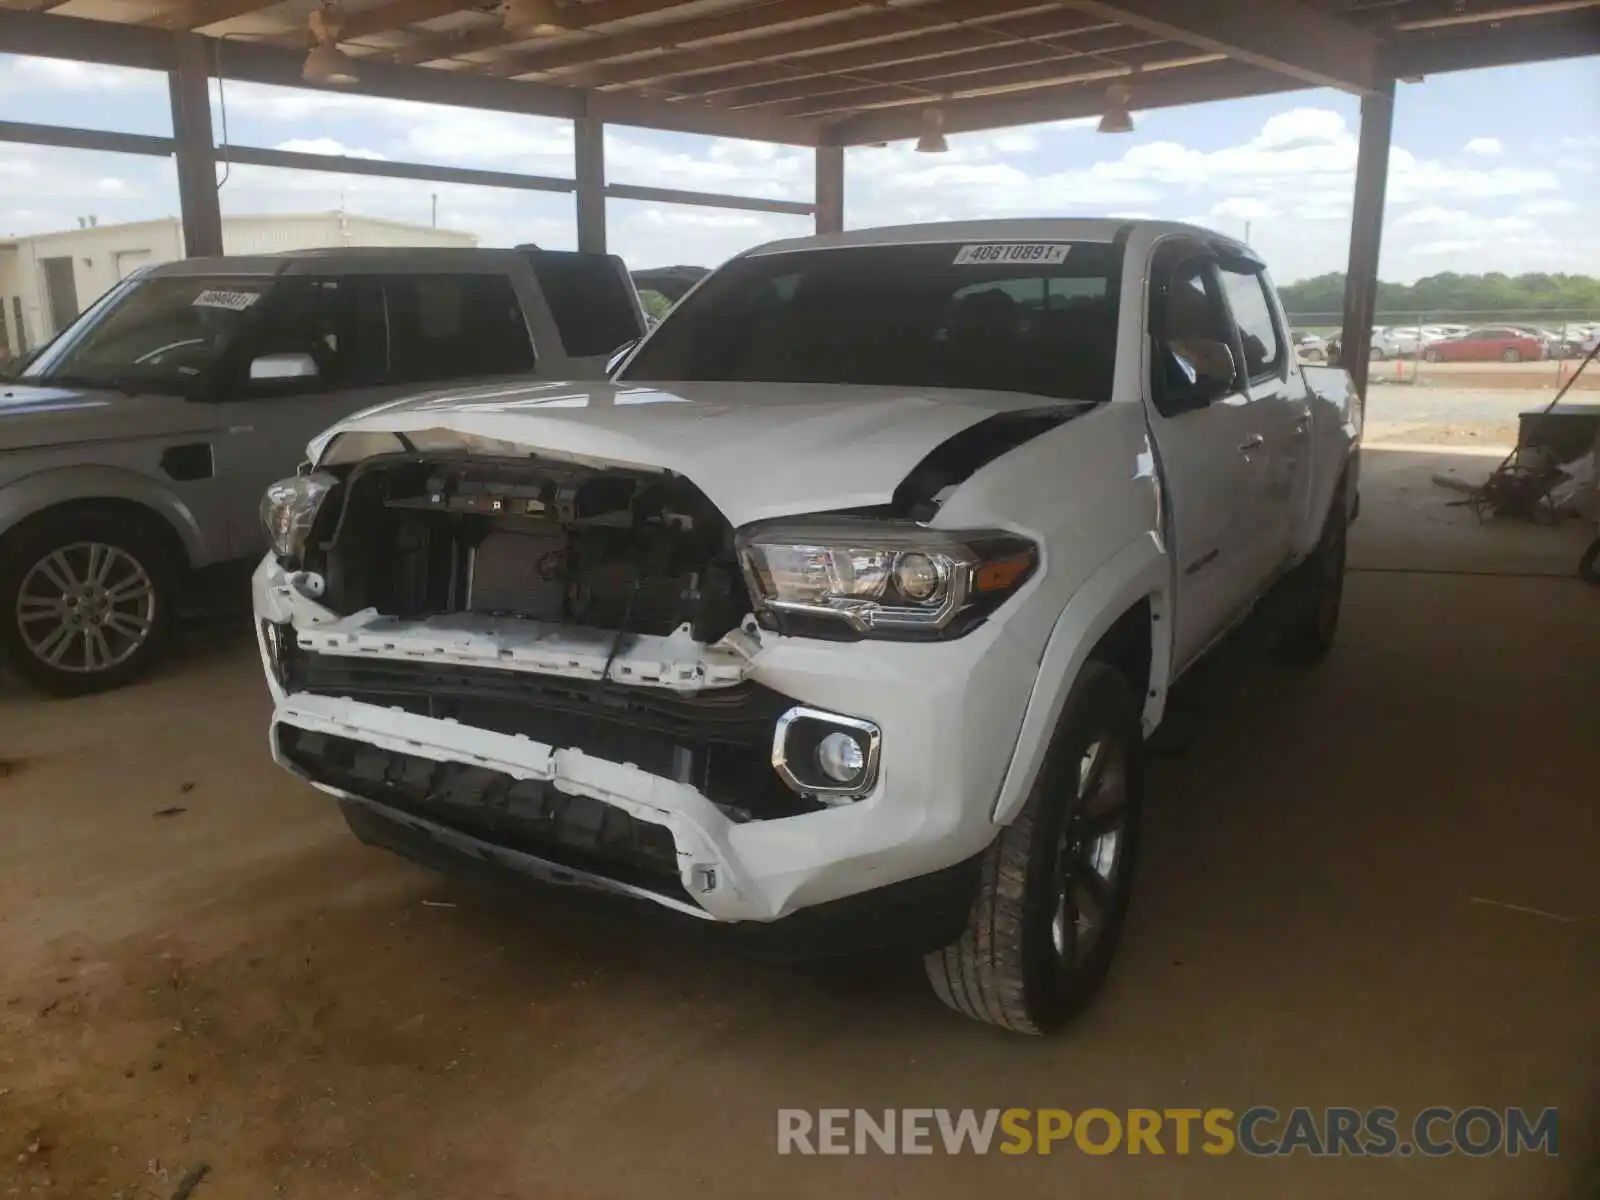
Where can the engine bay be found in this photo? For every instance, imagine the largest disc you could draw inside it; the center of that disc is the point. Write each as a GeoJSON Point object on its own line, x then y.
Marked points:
{"type": "Point", "coordinates": [601, 547]}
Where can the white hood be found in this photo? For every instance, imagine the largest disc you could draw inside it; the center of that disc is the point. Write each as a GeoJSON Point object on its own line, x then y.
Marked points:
{"type": "Point", "coordinates": [756, 450]}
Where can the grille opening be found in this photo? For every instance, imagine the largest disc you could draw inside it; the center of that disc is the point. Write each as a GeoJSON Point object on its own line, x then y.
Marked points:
{"type": "Point", "coordinates": [603, 548]}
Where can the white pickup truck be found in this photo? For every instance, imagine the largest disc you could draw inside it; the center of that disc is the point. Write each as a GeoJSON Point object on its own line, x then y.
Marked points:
{"type": "Point", "coordinates": [838, 618]}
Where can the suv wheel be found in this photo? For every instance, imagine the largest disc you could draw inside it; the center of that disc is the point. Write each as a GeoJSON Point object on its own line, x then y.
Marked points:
{"type": "Point", "coordinates": [86, 600]}
{"type": "Point", "coordinates": [1055, 884]}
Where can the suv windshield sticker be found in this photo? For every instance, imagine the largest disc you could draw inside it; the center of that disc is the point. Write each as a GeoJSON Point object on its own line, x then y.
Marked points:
{"type": "Point", "coordinates": [235, 301]}
{"type": "Point", "coordinates": [1011, 252]}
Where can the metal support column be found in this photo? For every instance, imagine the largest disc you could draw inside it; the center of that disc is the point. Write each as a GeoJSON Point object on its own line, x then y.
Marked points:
{"type": "Point", "coordinates": [188, 83]}
{"type": "Point", "coordinates": [1366, 232]}
{"type": "Point", "coordinates": [830, 189]}
{"type": "Point", "coordinates": [589, 149]}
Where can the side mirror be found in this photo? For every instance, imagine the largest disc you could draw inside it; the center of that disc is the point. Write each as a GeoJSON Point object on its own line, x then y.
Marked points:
{"type": "Point", "coordinates": [620, 353]}
{"type": "Point", "coordinates": [283, 368]}
{"type": "Point", "coordinates": [1200, 370]}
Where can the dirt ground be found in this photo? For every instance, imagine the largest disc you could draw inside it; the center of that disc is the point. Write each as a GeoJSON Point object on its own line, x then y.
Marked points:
{"type": "Point", "coordinates": [1372, 885]}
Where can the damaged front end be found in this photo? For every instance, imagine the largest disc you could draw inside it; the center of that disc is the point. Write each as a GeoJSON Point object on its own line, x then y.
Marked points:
{"type": "Point", "coordinates": [577, 669]}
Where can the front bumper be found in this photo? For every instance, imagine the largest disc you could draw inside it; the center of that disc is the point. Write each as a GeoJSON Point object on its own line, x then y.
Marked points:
{"type": "Point", "coordinates": [949, 714]}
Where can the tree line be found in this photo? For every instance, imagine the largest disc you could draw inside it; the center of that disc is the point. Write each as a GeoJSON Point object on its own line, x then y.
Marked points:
{"type": "Point", "coordinates": [1448, 292]}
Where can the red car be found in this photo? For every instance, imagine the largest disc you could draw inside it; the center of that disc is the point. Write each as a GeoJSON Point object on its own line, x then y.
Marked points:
{"type": "Point", "coordinates": [1495, 344]}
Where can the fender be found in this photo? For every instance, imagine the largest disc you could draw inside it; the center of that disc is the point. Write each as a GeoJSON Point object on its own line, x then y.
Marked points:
{"type": "Point", "coordinates": [1140, 570]}
{"type": "Point", "coordinates": [65, 485]}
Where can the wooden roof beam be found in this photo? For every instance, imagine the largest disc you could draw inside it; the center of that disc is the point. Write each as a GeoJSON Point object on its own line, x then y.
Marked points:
{"type": "Point", "coordinates": [1111, 41]}
{"type": "Point", "coordinates": [1054, 25]}
{"type": "Point", "coordinates": [1159, 57]}
{"type": "Point", "coordinates": [603, 12]}
{"type": "Point", "coordinates": [1193, 85]}
{"type": "Point", "coordinates": [1286, 36]}
{"type": "Point", "coordinates": [673, 57]}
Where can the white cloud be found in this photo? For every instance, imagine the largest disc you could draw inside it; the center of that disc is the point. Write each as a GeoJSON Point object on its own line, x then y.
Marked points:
{"type": "Point", "coordinates": [325, 145]}
{"type": "Point", "coordinates": [1556, 206]}
{"type": "Point", "coordinates": [31, 76]}
{"type": "Point", "coordinates": [1488, 147]}
{"type": "Point", "coordinates": [1242, 208]}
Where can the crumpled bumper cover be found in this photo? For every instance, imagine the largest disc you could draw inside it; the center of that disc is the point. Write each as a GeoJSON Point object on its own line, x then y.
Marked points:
{"type": "Point", "coordinates": [948, 714]}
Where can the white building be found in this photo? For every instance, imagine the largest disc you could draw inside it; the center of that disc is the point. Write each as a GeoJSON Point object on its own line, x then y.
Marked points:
{"type": "Point", "coordinates": [48, 278]}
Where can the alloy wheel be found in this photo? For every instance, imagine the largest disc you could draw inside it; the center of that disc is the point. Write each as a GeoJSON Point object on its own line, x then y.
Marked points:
{"type": "Point", "coordinates": [86, 607]}
{"type": "Point", "coordinates": [1089, 857]}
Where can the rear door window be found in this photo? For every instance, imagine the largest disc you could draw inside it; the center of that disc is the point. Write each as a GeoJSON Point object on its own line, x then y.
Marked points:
{"type": "Point", "coordinates": [444, 327]}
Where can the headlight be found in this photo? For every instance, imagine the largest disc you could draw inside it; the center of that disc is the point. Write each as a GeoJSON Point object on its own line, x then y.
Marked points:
{"type": "Point", "coordinates": [890, 578]}
{"type": "Point", "coordinates": [289, 508]}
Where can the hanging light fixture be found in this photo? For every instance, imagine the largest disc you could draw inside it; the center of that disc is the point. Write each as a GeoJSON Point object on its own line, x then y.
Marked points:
{"type": "Point", "coordinates": [932, 139]}
{"type": "Point", "coordinates": [327, 63]}
{"type": "Point", "coordinates": [1117, 118]}
{"type": "Point", "coordinates": [534, 18]}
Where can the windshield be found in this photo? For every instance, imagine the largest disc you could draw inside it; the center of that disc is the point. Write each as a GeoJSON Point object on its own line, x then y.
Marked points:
{"type": "Point", "coordinates": [159, 335]}
{"type": "Point", "coordinates": [1016, 317]}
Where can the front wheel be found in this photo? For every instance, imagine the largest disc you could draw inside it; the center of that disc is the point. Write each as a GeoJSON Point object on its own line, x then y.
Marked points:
{"type": "Point", "coordinates": [1512, 355]}
{"type": "Point", "coordinates": [1056, 882]}
{"type": "Point", "coordinates": [1430, 356]}
{"type": "Point", "coordinates": [87, 602]}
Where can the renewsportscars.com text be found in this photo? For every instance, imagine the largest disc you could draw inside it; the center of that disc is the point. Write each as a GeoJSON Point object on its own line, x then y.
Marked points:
{"type": "Point", "coordinates": [1260, 1131]}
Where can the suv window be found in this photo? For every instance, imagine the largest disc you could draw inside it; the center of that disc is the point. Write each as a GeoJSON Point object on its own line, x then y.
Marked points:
{"type": "Point", "coordinates": [455, 327]}
{"type": "Point", "coordinates": [928, 315]}
{"type": "Point", "coordinates": [1187, 318]}
{"type": "Point", "coordinates": [160, 335]}
{"type": "Point", "coordinates": [591, 300]}
{"type": "Point", "coordinates": [1258, 329]}
{"type": "Point", "coordinates": [339, 322]}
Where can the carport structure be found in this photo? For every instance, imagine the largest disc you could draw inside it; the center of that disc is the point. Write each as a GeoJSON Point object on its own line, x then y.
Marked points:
{"type": "Point", "coordinates": [826, 74]}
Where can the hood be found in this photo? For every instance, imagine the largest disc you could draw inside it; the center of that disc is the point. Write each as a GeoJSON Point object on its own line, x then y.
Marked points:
{"type": "Point", "coordinates": [756, 450]}
{"type": "Point", "coordinates": [35, 416]}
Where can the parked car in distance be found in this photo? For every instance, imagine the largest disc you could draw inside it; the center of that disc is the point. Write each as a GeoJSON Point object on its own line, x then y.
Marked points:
{"type": "Point", "coordinates": [1311, 347]}
{"type": "Point", "coordinates": [1489, 344]}
{"type": "Point", "coordinates": [837, 618]}
{"type": "Point", "coordinates": [135, 447]}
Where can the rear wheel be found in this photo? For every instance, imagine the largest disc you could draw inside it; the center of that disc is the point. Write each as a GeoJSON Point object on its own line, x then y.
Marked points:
{"type": "Point", "coordinates": [1056, 882]}
{"type": "Point", "coordinates": [1377, 354]}
{"type": "Point", "coordinates": [1430, 356]}
{"type": "Point", "coordinates": [1512, 354]}
{"type": "Point", "coordinates": [86, 600]}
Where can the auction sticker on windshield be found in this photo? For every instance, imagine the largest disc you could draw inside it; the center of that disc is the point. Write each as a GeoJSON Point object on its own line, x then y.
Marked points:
{"type": "Point", "coordinates": [235, 301]}
{"type": "Point", "coordinates": [1012, 252]}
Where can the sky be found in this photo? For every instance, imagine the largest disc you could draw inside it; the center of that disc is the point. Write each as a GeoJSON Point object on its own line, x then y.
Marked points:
{"type": "Point", "coordinates": [1490, 171]}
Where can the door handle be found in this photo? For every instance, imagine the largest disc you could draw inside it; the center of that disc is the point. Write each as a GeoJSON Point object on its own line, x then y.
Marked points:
{"type": "Point", "coordinates": [1254, 442]}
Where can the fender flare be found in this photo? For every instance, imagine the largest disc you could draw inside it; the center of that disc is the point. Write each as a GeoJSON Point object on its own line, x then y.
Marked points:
{"type": "Point", "coordinates": [1141, 570]}
{"type": "Point", "coordinates": [47, 489]}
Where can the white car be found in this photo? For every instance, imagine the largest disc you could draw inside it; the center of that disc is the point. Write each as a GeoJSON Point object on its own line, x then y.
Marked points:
{"type": "Point", "coordinates": [838, 618]}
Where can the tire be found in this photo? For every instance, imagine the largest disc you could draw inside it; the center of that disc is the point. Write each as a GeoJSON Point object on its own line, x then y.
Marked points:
{"type": "Point", "coordinates": [1020, 963]}
{"type": "Point", "coordinates": [116, 618]}
{"type": "Point", "coordinates": [1377, 354]}
{"type": "Point", "coordinates": [1430, 356]}
{"type": "Point", "coordinates": [1316, 594]}
{"type": "Point", "coordinates": [1589, 564]}
{"type": "Point", "coordinates": [1512, 355]}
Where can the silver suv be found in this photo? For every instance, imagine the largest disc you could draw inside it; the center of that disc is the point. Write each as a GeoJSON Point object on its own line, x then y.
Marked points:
{"type": "Point", "coordinates": [135, 447]}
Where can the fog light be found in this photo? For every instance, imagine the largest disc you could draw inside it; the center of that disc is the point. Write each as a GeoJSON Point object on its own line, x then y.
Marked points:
{"type": "Point", "coordinates": [841, 758]}
{"type": "Point", "coordinates": [826, 756]}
